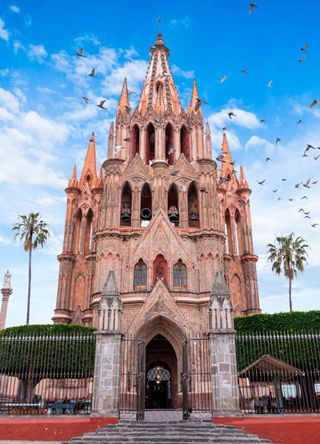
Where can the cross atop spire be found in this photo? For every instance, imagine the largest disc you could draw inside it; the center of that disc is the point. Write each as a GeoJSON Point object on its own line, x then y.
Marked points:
{"type": "Point", "coordinates": [89, 171]}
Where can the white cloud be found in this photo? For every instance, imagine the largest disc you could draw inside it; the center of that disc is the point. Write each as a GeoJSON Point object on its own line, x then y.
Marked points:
{"type": "Point", "coordinates": [15, 9]}
{"type": "Point", "coordinates": [134, 71]}
{"type": "Point", "coordinates": [5, 240]}
{"type": "Point", "coordinates": [242, 118]}
{"type": "Point", "coordinates": [256, 142]}
{"type": "Point", "coordinates": [28, 21]}
{"type": "Point", "coordinates": [181, 73]}
{"type": "Point", "coordinates": [37, 52]}
{"type": "Point", "coordinates": [4, 33]}
{"type": "Point", "coordinates": [183, 22]}
{"type": "Point", "coordinates": [18, 46]}
{"type": "Point", "coordinates": [87, 38]}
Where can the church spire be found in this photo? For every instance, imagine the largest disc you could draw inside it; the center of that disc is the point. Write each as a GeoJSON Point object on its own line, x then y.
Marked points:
{"type": "Point", "coordinates": [159, 91]}
{"type": "Point", "coordinates": [124, 105]}
{"type": "Point", "coordinates": [89, 171]}
{"type": "Point", "coordinates": [73, 182]}
{"type": "Point", "coordinates": [194, 102]}
{"type": "Point", "coordinates": [227, 168]}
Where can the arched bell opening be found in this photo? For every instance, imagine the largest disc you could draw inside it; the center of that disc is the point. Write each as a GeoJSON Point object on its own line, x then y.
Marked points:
{"type": "Point", "coordinates": [193, 206]}
{"type": "Point", "coordinates": [185, 141]}
{"type": "Point", "coordinates": [180, 276]}
{"type": "Point", "coordinates": [173, 205]}
{"type": "Point", "coordinates": [170, 149]}
{"type": "Point", "coordinates": [88, 233]}
{"type": "Point", "coordinates": [239, 232]}
{"type": "Point", "coordinates": [126, 203]}
{"type": "Point", "coordinates": [77, 232]}
{"type": "Point", "coordinates": [160, 270]}
{"type": "Point", "coordinates": [146, 205]}
{"type": "Point", "coordinates": [150, 143]}
{"type": "Point", "coordinates": [161, 374]}
{"type": "Point", "coordinates": [135, 141]}
{"type": "Point", "coordinates": [228, 233]}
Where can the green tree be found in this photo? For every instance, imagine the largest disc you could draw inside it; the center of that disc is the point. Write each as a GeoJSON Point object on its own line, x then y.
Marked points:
{"type": "Point", "coordinates": [32, 231]}
{"type": "Point", "coordinates": [288, 256]}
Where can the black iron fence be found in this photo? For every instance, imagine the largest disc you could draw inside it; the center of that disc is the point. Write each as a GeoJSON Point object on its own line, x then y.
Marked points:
{"type": "Point", "coordinates": [132, 377]}
{"type": "Point", "coordinates": [46, 374]}
{"type": "Point", "coordinates": [279, 372]}
{"type": "Point", "coordinates": [196, 375]}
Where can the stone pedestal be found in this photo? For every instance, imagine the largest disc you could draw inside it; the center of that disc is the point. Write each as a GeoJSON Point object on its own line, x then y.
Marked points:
{"type": "Point", "coordinates": [106, 382]}
{"type": "Point", "coordinates": [225, 390]}
{"type": "Point", "coordinates": [6, 292]}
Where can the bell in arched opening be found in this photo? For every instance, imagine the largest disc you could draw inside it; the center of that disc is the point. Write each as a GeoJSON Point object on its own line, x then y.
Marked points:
{"type": "Point", "coordinates": [126, 198]}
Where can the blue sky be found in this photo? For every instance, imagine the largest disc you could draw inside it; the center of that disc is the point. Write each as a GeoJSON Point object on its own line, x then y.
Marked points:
{"type": "Point", "coordinates": [45, 126]}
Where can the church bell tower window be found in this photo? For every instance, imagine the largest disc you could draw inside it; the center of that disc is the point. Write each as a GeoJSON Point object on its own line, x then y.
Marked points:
{"type": "Point", "coordinates": [185, 141]}
{"type": "Point", "coordinates": [146, 205]}
{"type": "Point", "coordinates": [135, 141]}
{"type": "Point", "coordinates": [193, 206]}
{"type": "Point", "coordinates": [180, 276]}
{"type": "Point", "coordinates": [126, 199]}
{"type": "Point", "coordinates": [170, 150]}
{"type": "Point", "coordinates": [173, 205]}
{"type": "Point", "coordinates": [150, 143]}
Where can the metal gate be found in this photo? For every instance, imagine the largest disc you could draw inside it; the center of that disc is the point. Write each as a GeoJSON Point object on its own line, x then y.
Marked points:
{"type": "Point", "coordinates": [196, 375]}
{"type": "Point", "coordinates": [132, 376]}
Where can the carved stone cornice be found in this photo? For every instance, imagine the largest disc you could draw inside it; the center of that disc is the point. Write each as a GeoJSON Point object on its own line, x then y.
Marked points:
{"type": "Point", "coordinates": [248, 257]}
{"type": "Point", "coordinates": [113, 166]}
{"type": "Point", "coordinates": [66, 257]}
{"type": "Point", "coordinates": [70, 190]}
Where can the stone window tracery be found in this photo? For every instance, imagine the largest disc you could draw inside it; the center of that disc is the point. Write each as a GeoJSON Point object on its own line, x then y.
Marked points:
{"type": "Point", "coordinates": [140, 276]}
{"type": "Point", "coordinates": [180, 275]}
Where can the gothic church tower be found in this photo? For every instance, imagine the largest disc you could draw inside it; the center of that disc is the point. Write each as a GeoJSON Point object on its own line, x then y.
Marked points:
{"type": "Point", "coordinates": [160, 215]}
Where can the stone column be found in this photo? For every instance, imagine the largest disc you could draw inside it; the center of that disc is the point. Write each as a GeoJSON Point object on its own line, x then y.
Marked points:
{"type": "Point", "coordinates": [225, 390]}
{"type": "Point", "coordinates": [106, 381]}
{"type": "Point", "coordinates": [6, 292]}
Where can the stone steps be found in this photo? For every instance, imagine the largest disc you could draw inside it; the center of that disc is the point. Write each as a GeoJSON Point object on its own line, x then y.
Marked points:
{"type": "Point", "coordinates": [168, 432]}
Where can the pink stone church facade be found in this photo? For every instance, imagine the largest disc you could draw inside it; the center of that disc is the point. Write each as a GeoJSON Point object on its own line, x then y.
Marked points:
{"type": "Point", "coordinates": [161, 215]}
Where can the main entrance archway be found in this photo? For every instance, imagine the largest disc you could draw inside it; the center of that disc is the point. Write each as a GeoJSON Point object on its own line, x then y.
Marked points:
{"type": "Point", "coordinates": [161, 374]}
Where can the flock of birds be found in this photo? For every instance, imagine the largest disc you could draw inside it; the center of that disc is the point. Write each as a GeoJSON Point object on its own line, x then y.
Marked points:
{"type": "Point", "coordinates": [199, 102]}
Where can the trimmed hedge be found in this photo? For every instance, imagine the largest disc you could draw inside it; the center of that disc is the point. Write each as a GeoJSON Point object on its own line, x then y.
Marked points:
{"type": "Point", "coordinates": [296, 321]}
{"type": "Point", "coordinates": [46, 329]}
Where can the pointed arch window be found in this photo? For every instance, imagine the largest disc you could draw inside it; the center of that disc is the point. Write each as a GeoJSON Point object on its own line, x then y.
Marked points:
{"type": "Point", "coordinates": [170, 149]}
{"type": "Point", "coordinates": [88, 233]}
{"type": "Point", "coordinates": [140, 276]}
{"type": "Point", "coordinates": [150, 143]}
{"type": "Point", "coordinates": [185, 141]}
{"type": "Point", "coordinates": [180, 275]}
{"type": "Point", "coordinates": [126, 201]}
{"type": "Point", "coordinates": [228, 232]}
{"type": "Point", "coordinates": [173, 205]}
{"type": "Point", "coordinates": [239, 233]}
{"type": "Point", "coordinates": [135, 141]}
{"type": "Point", "coordinates": [193, 206]}
{"type": "Point", "coordinates": [146, 205]}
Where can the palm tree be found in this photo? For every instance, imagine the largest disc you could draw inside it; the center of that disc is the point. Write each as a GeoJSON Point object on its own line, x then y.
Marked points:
{"type": "Point", "coordinates": [288, 255]}
{"type": "Point", "coordinates": [32, 231]}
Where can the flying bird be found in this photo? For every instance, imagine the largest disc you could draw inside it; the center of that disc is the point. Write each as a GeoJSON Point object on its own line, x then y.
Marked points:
{"type": "Point", "coordinates": [301, 60]}
{"type": "Point", "coordinates": [297, 185]}
{"type": "Point", "coordinates": [171, 150]}
{"type": "Point", "coordinates": [314, 182]}
{"type": "Point", "coordinates": [278, 140]}
{"type": "Point", "coordinates": [290, 200]}
{"type": "Point", "coordinates": [223, 79]}
{"type": "Point", "coordinates": [102, 102]}
{"type": "Point", "coordinates": [316, 157]}
{"type": "Point", "coordinates": [279, 198]}
{"type": "Point", "coordinates": [231, 114]}
{"type": "Point", "coordinates": [79, 53]}
{"type": "Point", "coordinates": [283, 179]}
{"type": "Point", "coordinates": [314, 103]}
{"type": "Point", "coordinates": [199, 103]}
{"type": "Point", "coordinates": [304, 197]}
{"type": "Point", "coordinates": [127, 139]}
{"type": "Point", "coordinates": [268, 159]}
{"type": "Point", "coordinates": [298, 122]}
{"type": "Point", "coordinates": [306, 184]}
{"type": "Point", "coordinates": [128, 109]}
{"type": "Point", "coordinates": [92, 72]}
{"type": "Point", "coordinates": [305, 47]}
{"type": "Point", "coordinates": [307, 217]}
{"type": "Point", "coordinates": [131, 92]}
{"type": "Point", "coordinates": [262, 121]}
{"type": "Point", "coordinates": [314, 225]}
{"type": "Point", "coordinates": [261, 182]}
{"type": "Point", "coordinates": [269, 84]}
{"type": "Point", "coordinates": [224, 128]}
{"type": "Point", "coordinates": [251, 7]}
{"type": "Point", "coordinates": [86, 99]}
{"type": "Point", "coordinates": [244, 71]}
{"type": "Point", "coordinates": [274, 191]}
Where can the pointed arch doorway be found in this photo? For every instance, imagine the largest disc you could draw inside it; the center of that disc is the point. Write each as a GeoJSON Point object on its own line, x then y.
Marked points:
{"type": "Point", "coordinates": [161, 374]}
